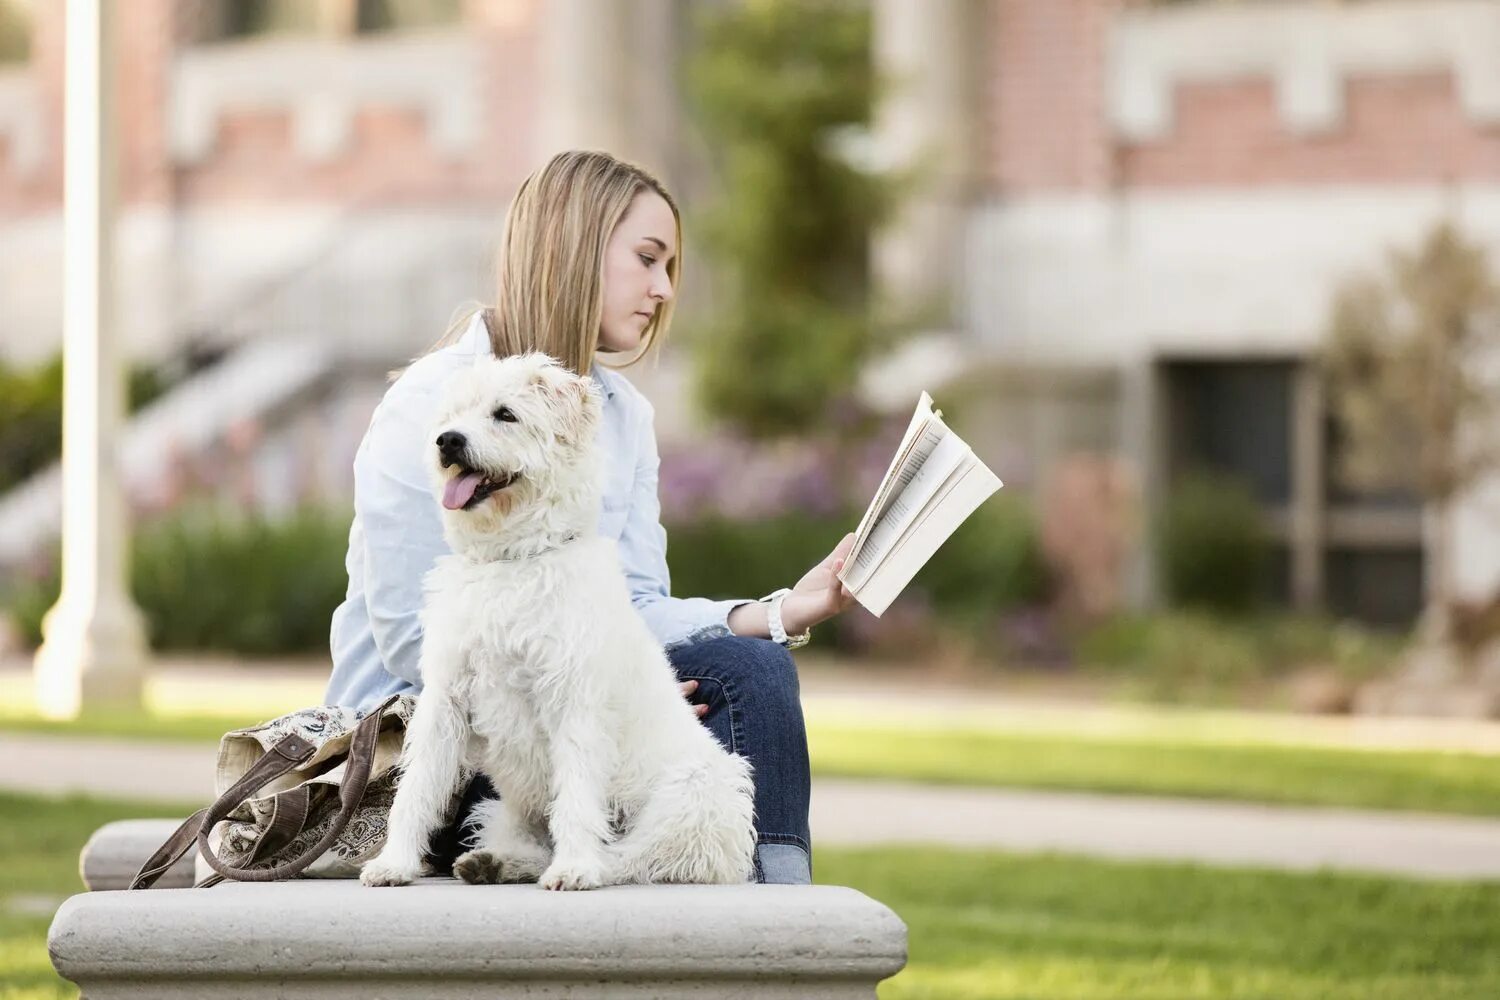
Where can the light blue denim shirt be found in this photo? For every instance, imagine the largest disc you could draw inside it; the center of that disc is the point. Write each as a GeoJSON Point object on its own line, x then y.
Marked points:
{"type": "Point", "coordinates": [396, 536]}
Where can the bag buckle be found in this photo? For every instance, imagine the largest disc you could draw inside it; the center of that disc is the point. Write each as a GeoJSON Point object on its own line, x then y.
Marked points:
{"type": "Point", "coordinates": [294, 747]}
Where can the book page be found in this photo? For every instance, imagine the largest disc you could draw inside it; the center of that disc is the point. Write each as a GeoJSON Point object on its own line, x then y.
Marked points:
{"type": "Point", "coordinates": [919, 482]}
{"type": "Point", "coordinates": [919, 421]}
{"type": "Point", "coordinates": [964, 492]}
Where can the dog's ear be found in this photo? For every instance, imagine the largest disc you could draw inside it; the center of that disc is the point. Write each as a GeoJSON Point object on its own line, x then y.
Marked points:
{"type": "Point", "coordinates": [573, 398]}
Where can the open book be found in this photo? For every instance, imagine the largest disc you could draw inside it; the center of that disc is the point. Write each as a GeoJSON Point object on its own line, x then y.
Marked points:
{"type": "Point", "coordinates": [934, 483]}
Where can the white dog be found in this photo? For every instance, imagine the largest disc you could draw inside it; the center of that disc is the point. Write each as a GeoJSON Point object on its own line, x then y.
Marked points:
{"type": "Point", "coordinates": [538, 672]}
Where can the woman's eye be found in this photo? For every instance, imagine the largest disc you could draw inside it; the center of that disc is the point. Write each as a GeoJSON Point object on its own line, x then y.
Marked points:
{"type": "Point", "coordinates": [504, 414]}
{"type": "Point", "coordinates": [646, 259]}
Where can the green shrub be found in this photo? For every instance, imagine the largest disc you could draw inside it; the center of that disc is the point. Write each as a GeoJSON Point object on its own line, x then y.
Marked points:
{"type": "Point", "coordinates": [775, 84]}
{"type": "Point", "coordinates": [1289, 642]}
{"type": "Point", "coordinates": [1178, 657]}
{"type": "Point", "coordinates": [210, 580]}
{"type": "Point", "coordinates": [31, 415]}
{"type": "Point", "coordinates": [213, 581]}
{"type": "Point", "coordinates": [26, 596]}
{"type": "Point", "coordinates": [992, 563]}
{"type": "Point", "coordinates": [1202, 657]}
{"type": "Point", "coordinates": [720, 558]}
{"type": "Point", "coordinates": [1212, 546]}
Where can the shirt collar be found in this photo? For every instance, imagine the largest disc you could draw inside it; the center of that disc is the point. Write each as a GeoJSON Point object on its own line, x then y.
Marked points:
{"type": "Point", "coordinates": [603, 381]}
{"type": "Point", "coordinates": [476, 339]}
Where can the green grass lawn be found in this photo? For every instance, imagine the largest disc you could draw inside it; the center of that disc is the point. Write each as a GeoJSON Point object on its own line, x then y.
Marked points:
{"type": "Point", "coordinates": [1186, 766]}
{"type": "Point", "coordinates": [1000, 926]}
{"type": "Point", "coordinates": [167, 728]}
{"type": "Point", "coordinates": [39, 843]}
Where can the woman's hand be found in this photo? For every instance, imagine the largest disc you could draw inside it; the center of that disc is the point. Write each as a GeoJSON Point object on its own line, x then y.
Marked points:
{"type": "Point", "coordinates": [689, 688]}
{"type": "Point", "coordinates": [819, 595]}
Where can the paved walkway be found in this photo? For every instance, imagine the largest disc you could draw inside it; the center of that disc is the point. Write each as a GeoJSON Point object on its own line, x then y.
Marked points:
{"type": "Point", "coordinates": [867, 813]}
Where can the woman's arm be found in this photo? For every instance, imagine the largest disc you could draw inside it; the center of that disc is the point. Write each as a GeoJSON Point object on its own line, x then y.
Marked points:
{"type": "Point", "coordinates": [643, 556]}
{"type": "Point", "coordinates": [817, 597]}
{"type": "Point", "coordinates": [679, 621]}
{"type": "Point", "coordinates": [401, 533]}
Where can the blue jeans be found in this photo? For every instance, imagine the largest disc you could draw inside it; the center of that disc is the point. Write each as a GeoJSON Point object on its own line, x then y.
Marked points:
{"type": "Point", "coordinates": [754, 709]}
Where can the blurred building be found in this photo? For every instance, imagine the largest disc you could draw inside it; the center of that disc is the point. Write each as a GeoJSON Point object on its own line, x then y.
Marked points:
{"type": "Point", "coordinates": [1168, 194]}
{"type": "Point", "coordinates": [1131, 221]}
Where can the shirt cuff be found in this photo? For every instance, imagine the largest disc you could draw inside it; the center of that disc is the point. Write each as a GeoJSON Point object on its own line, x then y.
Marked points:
{"type": "Point", "coordinates": [717, 626]}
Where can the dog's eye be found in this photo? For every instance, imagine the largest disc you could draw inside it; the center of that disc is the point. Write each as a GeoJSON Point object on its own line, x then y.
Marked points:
{"type": "Point", "coordinates": [504, 414]}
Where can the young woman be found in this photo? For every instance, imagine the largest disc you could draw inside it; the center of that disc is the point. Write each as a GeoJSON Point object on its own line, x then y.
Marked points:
{"type": "Point", "coordinates": [589, 262]}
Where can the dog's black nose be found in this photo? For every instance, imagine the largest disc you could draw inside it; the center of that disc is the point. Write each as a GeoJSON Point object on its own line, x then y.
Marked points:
{"type": "Point", "coordinates": [451, 445]}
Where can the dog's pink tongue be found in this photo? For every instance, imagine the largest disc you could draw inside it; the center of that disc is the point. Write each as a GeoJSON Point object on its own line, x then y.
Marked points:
{"type": "Point", "coordinates": [460, 490]}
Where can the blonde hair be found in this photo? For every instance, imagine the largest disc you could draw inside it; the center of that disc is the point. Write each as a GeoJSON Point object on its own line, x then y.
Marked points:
{"type": "Point", "coordinates": [549, 288]}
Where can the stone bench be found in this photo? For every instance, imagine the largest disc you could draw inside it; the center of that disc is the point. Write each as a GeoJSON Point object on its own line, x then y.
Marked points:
{"type": "Point", "coordinates": [440, 937]}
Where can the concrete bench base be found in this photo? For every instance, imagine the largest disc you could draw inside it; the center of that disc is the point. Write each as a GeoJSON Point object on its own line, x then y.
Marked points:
{"type": "Point", "coordinates": [117, 850]}
{"type": "Point", "coordinates": [442, 938]}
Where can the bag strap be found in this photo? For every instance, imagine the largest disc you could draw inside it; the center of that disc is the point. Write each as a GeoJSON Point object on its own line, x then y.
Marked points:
{"type": "Point", "coordinates": [290, 752]}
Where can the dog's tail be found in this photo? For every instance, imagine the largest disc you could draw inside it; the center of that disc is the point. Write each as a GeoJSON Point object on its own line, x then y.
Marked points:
{"type": "Point", "coordinates": [698, 826]}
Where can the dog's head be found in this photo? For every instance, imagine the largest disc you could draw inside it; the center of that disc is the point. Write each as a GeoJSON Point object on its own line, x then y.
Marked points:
{"type": "Point", "coordinates": [513, 458]}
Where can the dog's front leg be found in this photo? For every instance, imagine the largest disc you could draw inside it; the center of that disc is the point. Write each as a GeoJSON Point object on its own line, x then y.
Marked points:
{"type": "Point", "coordinates": [579, 819]}
{"type": "Point", "coordinates": [431, 760]}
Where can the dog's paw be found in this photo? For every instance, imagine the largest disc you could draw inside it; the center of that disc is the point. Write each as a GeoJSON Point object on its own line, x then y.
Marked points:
{"type": "Point", "coordinates": [572, 875]}
{"type": "Point", "coordinates": [478, 868]}
{"type": "Point", "coordinates": [378, 871]}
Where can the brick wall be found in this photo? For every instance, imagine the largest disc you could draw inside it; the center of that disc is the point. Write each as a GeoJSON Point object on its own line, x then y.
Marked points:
{"type": "Point", "coordinates": [24, 191]}
{"type": "Point", "coordinates": [1401, 129]}
{"type": "Point", "coordinates": [1044, 119]}
{"type": "Point", "coordinates": [1048, 124]}
{"type": "Point", "coordinates": [252, 155]}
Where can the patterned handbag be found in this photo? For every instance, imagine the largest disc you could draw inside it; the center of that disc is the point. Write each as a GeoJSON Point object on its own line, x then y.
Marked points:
{"type": "Point", "coordinates": [307, 794]}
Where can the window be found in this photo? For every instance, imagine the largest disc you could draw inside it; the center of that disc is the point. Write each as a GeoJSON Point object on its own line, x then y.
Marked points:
{"type": "Point", "coordinates": [1232, 418]}
{"type": "Point", "coordinates": [232, 20]}
{"type": "Point", "coordinates": [1382, 586]}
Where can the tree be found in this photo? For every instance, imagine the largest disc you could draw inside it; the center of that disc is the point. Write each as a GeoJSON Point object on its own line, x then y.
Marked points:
{"type": "Point", "coordinates": [776, 83]}
{"type": "Point", "coordinates": [1411, 369]}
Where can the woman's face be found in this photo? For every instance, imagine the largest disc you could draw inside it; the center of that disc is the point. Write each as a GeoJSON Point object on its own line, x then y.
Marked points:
{"type": "Point", "coordinates": [635, 271]}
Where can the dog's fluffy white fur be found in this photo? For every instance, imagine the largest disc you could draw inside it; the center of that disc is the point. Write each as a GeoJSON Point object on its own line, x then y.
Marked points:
{"type": "Point", "coordinates": [538, 672]}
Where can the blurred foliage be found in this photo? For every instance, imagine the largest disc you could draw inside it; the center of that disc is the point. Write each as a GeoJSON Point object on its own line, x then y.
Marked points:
{"type": "Point", "coordinates": [1407, 360]}
{"type": "Point", "coordinates": [1410, 362]}
{"type": "Point", "coordinates": [990, 565]}
{"type": "Point", "coordinates": [403, 15]}
{"type": "Point", "coordinates": [777, 85]}
{"type": "Point", "coordinates": [212, 580]}
{"type": "Point", "coordinates": [1205, 658]}
{"type": "Point", "coordinates": [1183, 657]}
{"type": "Point", "coordinates": [31, 415]}
{"type": "Point", "coordinates": [719, 557]}
{"type": "Point", "coordinates": [1212, 546]}
{"type": "Point", "coordinates": [15, 31]}
{"type": "Point", "coordinates": [259, 17]}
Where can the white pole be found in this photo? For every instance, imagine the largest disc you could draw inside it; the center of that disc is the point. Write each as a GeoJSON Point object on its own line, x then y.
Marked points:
{"type": "Point", "coordinates": [925, 120]}
{"type": "Point", "coordinates": [587, 80]}
{"type": "Point", "coordinates": [93, 652]}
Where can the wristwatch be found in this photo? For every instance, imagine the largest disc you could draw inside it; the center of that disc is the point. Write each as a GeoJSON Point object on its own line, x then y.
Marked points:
{"type": "Point", "coordinates": [773, 618]}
